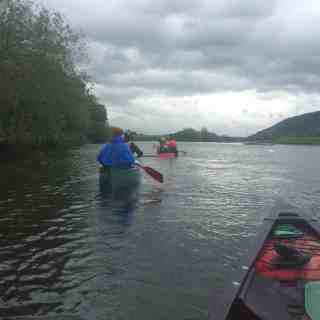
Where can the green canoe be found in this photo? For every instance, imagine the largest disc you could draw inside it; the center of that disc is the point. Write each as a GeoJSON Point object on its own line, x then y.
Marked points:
{"type": "Point", "coordinates": [119, 180]}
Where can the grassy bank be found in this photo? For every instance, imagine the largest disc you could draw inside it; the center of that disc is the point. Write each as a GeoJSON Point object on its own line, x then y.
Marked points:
{"type": "Point", "coordinates": [297, 140]}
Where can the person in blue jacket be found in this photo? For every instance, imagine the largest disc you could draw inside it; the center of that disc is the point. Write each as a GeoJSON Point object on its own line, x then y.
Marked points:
{"type": "Point", "coordinates": [116, 154]}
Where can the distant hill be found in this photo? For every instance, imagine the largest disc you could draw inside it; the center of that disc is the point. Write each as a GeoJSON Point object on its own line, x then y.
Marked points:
{"type": "Point", "coordinates": [189, 134]}
{"type": "Point", "coordinates": [299, 129]}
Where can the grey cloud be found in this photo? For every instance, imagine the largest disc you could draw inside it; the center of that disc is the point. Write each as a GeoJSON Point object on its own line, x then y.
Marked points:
{"type": "Point", "coordinates": [183, 48]}
{"type": "Point", "coordinates": [164, 7]}
{"type": "Point", "coordinates": [243, 47]}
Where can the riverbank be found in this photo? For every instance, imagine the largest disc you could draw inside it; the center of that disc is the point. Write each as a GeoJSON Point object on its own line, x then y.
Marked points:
{"type": "Point", "coordinates": [298, 140]}
{"type": "Point", "coordinates": [25, 153]}
{"type": "Point", "coordinates": [286, 141]}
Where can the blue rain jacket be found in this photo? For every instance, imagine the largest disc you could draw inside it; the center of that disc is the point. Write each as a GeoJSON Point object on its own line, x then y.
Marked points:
{"type": "Point", "coordinates": [116, 154]}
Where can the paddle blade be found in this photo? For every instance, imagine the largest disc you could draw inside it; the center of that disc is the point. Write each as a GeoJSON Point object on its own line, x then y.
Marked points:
{"type": "Point", "coordinates": [153, 173]}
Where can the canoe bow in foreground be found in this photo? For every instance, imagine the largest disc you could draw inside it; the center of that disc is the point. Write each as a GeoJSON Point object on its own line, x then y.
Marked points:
{"type": "Point", "coordinates": [281, 276]}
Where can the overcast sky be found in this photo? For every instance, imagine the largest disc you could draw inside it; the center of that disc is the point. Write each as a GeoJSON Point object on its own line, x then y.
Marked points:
{"type": "Point", "coordinates": [233, 66]}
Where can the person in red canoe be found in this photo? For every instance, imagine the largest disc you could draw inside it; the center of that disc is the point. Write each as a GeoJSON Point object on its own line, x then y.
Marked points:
{"type": "Point", "coordinates": [172, 146]}
{"type": "Point", "coordinates": [167, 146]}
{"type": "Point", "coordinates": [163, 147]}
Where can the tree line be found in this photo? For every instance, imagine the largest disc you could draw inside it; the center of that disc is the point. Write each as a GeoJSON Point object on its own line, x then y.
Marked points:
{"type": "Point", "coordinates": [45, 98]}
{"type": "Point", "coordinates": [189, 134]}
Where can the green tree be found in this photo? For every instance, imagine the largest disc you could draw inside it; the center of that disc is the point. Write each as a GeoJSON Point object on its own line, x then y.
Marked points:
{"type": "Point", "coordinates": [204, 134]}
{"type": "Point", "coordinates": [44, 99]}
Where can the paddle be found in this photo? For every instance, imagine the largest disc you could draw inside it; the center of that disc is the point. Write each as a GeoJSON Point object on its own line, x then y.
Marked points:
{"type": "Point", "coordinates": [151, 172]}
{"type": "Point", "coordinates": [150, 156]}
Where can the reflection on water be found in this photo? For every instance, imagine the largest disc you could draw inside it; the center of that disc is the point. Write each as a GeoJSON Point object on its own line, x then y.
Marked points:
{"type": "Point", "coordinates": [122, 206]}
{"type": "Point", "coordinates": [66, 249]}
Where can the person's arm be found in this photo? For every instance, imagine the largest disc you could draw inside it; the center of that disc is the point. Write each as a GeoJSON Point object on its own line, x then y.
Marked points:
{"type": "Point", "coordinates": [135, 149]}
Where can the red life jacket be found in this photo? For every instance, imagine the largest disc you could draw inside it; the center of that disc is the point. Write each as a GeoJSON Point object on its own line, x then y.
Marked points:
{"type": "Point", "coordinates": [172, 143]}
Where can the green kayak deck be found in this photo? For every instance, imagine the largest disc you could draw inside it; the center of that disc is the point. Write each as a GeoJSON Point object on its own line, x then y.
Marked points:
{"type": "Point", "coordinates": [115, 179]}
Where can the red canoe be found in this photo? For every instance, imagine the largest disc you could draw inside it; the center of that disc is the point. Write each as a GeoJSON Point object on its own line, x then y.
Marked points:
{"type": "Point", "coordinates": [167, 155]}
{"type": "Point", "coordinates": [280, 277]}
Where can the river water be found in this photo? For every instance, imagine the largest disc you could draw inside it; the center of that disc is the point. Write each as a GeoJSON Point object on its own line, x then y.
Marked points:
{"type": "Point", "coordinates": [69, 252]}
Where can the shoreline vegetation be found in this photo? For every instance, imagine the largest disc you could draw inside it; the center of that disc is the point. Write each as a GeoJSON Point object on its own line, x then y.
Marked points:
{"type": "Point", "coordinates": [286, 141]}
{"type": "Point", "coordinates": [46, 100]}
{"type": "Point", "coordinates": [190, 135]}
{"type": "Point", "coordinates": [298, 140]}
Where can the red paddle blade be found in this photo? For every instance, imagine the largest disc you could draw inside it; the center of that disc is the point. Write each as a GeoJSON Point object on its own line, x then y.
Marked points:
{"type": "Point", "coordinates": [153, 173]}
